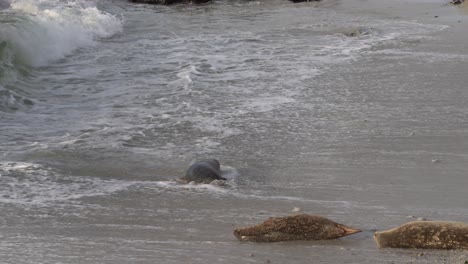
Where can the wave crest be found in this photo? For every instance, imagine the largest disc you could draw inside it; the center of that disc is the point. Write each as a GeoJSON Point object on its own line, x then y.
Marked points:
{"type": "Point", "coordinates": [45, 31]}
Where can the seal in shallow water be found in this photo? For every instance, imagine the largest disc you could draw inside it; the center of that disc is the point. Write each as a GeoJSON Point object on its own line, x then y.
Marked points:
{"type": "Point", "coordinates": [204, 171]}
{"type": "Point", "coordinates": [425, 234]}
{"type": "Point", "coordinates": [296, 227]}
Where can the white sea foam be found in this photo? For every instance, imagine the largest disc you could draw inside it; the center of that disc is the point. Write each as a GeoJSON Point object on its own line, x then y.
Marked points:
{"type": "Point", "coordinates": [33, 184]}
{"type": "Point", "coordinates": [232, 191]}
{"type": "Point", "coordinates": [352, 46]}
{"type": "Point", "coordinates": [229, 172]}
{"type": "Point", "coordinates": [260, 105]}
{"type": "Point", "coordinates": [47, 30]}
{"type": "Point", "coordinates": [208, 188]}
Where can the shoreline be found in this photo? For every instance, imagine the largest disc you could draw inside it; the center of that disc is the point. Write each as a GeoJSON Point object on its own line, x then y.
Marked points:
{"type": "Point", "coordinates": [372, 136]}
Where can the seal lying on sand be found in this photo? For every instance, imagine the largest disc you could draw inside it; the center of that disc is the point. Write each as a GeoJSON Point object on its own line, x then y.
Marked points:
{"type": "Point", "coordinates": [425, 234]}
{"type": "Point", "coordinates": [204, 171]}
{"type": "Point", "coordinates": [296, 227]}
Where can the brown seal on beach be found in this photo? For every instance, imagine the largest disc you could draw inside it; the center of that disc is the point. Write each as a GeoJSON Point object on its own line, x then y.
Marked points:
{"type": "Point", "coordinates": [425, 234]}
{"type": "Point", "coordinates": [296, 227]}
{"type": "Point", "coordinates": [204, 171]}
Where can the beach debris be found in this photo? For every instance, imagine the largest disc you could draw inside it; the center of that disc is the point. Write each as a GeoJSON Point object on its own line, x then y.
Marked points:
{"type": "Point", "coordinates": [425, 235]}
{"type": "Point", "coordinates": [296, 227]}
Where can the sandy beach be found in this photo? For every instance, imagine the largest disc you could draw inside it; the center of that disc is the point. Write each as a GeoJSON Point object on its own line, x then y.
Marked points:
{"type": "Point", "coordinates": [355, 110]}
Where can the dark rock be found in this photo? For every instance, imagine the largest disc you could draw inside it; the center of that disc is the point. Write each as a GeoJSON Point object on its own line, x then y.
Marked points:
{"type": "Point", "coordinates": [169, 2]}
{"type": "Point", "coordinates": [300, 1]}
{"type": "Point", "coordinates": [457, 2]}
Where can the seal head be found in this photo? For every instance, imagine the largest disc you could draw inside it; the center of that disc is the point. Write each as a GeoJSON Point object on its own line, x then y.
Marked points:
{"type": "Point", "coordinates": [204, 171]}
{"type": "Point", "coordinates": [296, 227]}
{"type": "Point", "coordinates": [426, 235]}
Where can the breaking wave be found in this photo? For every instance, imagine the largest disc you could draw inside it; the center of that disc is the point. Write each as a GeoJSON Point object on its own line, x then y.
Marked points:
{"type": "Point", "coordinates": [35, 33]}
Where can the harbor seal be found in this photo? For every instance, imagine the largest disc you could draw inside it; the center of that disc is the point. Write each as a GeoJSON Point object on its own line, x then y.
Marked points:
{"type": "Point", "coordinates": [296, 227]}
{"type": "Point", "coordinates": [204, 171]}
{"type": "Point", "coordinates": [426, 235]}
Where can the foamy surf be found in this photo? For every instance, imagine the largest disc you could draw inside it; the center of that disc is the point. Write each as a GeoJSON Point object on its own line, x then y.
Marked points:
{"type": "Point", "coordinates": [216, 187]}
{"type": "Point", "coordinates": [33, 184]}
{"type": "Point", "coordinates": [46, 31]}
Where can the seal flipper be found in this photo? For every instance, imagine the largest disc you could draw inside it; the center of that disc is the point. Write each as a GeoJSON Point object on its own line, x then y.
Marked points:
{"type": "Point", "coordinates": [349, 230]}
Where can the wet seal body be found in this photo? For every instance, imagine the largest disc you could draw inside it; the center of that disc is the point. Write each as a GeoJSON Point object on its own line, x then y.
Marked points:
{"type": "Point", "coordinates": [296, 227]}
{"type": "Point", "coordinates": [204, 171]}
{"type": "Point", "coordinates": [426, 235]}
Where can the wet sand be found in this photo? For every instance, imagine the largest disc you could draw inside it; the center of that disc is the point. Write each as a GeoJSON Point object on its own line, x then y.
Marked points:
{"type": "Point", "coordinates": [398, 153]}
{"type": "Point", "coordinates": [405, 159]}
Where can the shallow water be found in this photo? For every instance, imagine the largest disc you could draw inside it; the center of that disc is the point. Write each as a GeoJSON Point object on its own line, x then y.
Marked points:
{"type": "Point", "coordinates": [357, 116]}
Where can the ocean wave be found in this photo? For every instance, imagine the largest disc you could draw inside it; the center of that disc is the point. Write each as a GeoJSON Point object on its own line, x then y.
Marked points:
{"type": "Point", "coordinates": [10, 101]}
{"type": "Point", "coordinates": [47, 30]}
{"type": "Point", "coordinates": [36, 33]}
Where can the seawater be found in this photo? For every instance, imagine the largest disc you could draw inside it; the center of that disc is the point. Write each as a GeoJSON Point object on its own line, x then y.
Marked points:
{"type": "Point", "coordinates": [103, 103]}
